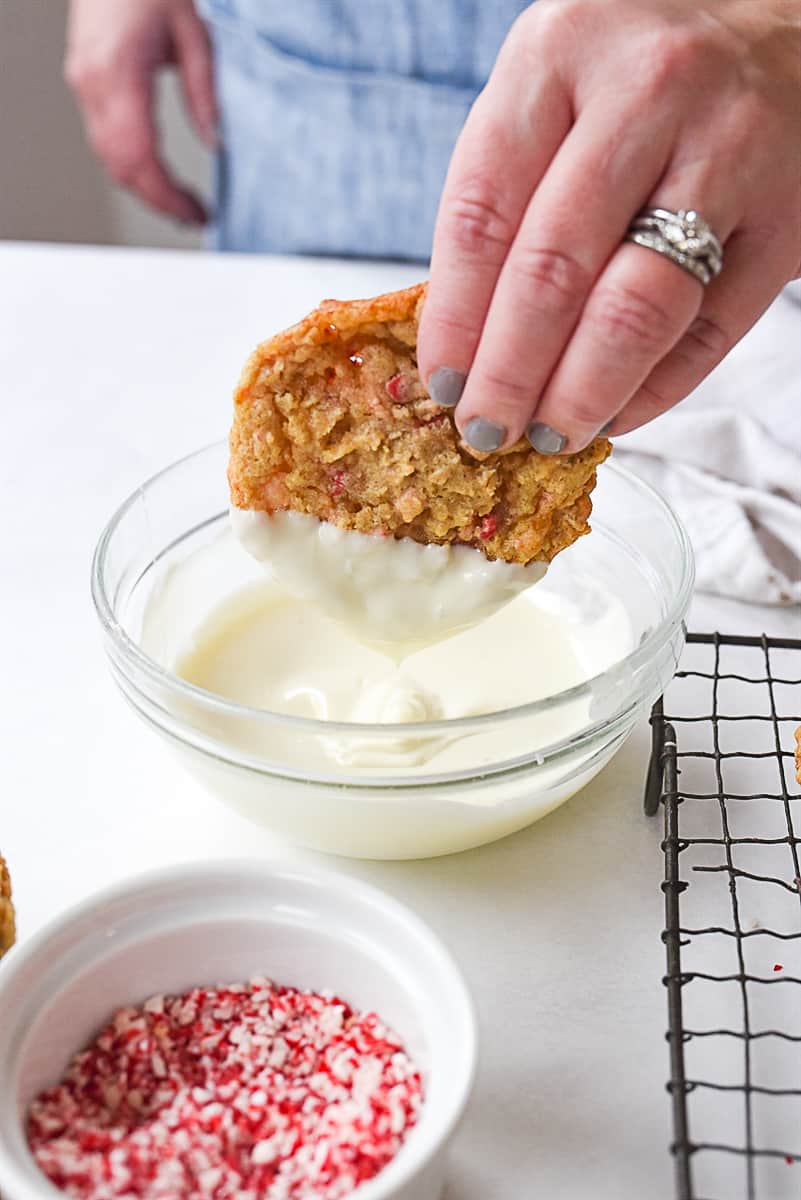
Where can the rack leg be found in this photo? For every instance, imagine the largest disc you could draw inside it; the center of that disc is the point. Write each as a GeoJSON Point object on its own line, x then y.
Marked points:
{"type": "Point", "coordinates": [654, 778]}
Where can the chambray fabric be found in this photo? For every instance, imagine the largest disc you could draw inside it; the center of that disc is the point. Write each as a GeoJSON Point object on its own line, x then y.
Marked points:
{"type": "Point", "coordinates": [338, 118]}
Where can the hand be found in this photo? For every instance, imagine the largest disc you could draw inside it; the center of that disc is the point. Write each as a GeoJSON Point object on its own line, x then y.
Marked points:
{"type": "Point", "coordinates": [592, 112]}
{"type": "Point", "coordinates": [114, 50]}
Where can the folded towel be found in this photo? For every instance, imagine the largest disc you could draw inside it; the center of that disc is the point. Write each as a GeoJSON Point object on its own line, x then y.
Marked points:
{"type": "Point", "coordinates": [728, 459]}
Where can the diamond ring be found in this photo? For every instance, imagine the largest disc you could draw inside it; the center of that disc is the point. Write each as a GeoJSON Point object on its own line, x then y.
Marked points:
{"type": "Point", "coordinates": [684, 237]}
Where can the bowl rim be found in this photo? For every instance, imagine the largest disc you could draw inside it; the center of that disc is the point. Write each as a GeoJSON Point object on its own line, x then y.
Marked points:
{"type": "Point", "coordinates": [447, 1115]}
{"type": "Point", "coordinates": [128, 649]}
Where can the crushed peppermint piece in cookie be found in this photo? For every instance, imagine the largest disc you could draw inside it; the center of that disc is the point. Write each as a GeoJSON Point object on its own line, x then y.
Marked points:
{"type": "Point", "coordinates": [337, 484]}
{"type": "Point", "coordinates": [488, 527]}
{"type": "Point", "coordinates": [398, 388]}
{"type": "Point", "coordinates": [246, 1090]}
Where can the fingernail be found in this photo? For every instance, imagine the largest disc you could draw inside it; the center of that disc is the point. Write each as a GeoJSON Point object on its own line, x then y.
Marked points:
{"type": "Point", "coordinates": [445, 386]}
{"type": "Point", "coordinates": [544, 439]}
{"type": "Point", "coordinates": [484, 435]}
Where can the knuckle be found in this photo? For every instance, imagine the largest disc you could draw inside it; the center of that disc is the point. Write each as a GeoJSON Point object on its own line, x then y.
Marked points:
{"type": "Point", "coordinates": [546, 33]}
{"type": "Point", "coordinates": [676, 53]}
{"type": "Point", "coordinates": [584, 415]}
{"type": "Point", "coordinates": [510, 392]}
{"type": "Point", "coordinates": [625, 315]}
{"type": "Point", "coordinates": [128, 150]}
{"type": "Point", "coordinates": [668, 59]}
{"type": "Point", "coordinates": [526, 26]}
{"type": "Point", "coordinates": [477, 224]}
{"type": "Point", "coordinates": [650, 402]}
{"type": "Point", "coordinates": [79, 75]}
{"type": "Point", "coordinates": [97, 70]}
{"type": "Point", "coordinates": [125, 165]}
{"type": "Point", "coordinates": [455, 325]}
{"type": "Point", "coordinates": [558, 280]}
{"type": "Point", "coordinates": [753, 121]}
{"type": "Point", "coordinates": [89, 75]}
{"type": "Point", "coordinates": [777, 231]}
{"type": "Point", "coordinates": [550, 20]}
{"type": "Point", "coordinates": [706, 339]}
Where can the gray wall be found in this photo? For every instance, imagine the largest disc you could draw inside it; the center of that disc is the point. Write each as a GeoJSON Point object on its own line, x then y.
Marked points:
{"type": "Point", "coordinates": [51, 188]}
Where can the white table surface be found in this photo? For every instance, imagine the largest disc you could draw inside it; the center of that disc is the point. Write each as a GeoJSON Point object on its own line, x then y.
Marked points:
{"type": "Point", "coordinates": [114, 363]}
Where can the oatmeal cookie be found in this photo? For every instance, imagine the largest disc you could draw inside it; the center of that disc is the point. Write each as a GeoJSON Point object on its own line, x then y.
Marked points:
{"type": "Point", "coordinates": [331, 419]}
{"type": "Point", "coordinates": [798, 754]}
{"type": "Point", "coordinates": [7, 930]}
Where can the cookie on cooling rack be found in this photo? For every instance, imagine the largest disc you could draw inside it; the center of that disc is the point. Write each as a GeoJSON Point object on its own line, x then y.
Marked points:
{"type": "Point", "coordinates": [7, 928]}
{"type": "Point", "coordinates": [798, 754]}
{"type": "Point", "coordinates": [331, 419]}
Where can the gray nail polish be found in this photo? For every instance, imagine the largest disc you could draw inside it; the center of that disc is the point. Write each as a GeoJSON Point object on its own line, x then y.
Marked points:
{"type": "Point", "coordinates": [544, 439]}
{"type": "Point", "coordinates": [445, 386]}
{"type": "Point", "coordinates": [484, 435]}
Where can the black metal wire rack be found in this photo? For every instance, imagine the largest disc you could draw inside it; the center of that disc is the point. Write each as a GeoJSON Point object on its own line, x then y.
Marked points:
{"type": "Point", "coordinates": [722, 767]}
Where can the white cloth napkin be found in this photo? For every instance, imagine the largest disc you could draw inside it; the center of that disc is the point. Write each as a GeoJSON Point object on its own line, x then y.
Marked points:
{"type": "Point", "coordinates": [728, 459]}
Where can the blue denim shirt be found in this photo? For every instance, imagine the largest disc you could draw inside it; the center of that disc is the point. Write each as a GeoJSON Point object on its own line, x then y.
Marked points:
{"type": "Point", "coordinates": [338, 118]}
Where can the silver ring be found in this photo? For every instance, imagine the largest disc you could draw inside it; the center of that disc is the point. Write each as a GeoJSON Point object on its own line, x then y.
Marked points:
{"type": "Point", "coordinates": [684, 237]}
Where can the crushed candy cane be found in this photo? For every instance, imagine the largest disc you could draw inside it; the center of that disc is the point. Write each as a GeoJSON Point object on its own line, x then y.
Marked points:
{"type": "Point", "coordinates": [398, 388]}
{"type": "Point", "coordinates": [488, 527]}
{"type": "Point", "coordinates": [241, 1092]}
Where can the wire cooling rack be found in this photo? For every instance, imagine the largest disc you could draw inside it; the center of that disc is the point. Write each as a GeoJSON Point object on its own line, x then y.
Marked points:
{"type": "Point", "coordinates": [722, 767]}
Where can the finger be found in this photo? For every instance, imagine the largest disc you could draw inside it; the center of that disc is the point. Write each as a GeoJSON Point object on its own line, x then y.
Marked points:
{"type": "Point", "coordinates": [122, 132]}
{"type": "Point", "coordinates": [601, 174]}
{"type": "Point", "coordinates": [155, 186]}
{"type": "Point", "coordinates": [751, 278]}
{"type": "Point", "coordinates": [635, 314]}
{"type": "Point", "coordinates": [194, 62]}
{"type": "Point", "coordinates": [500, 157]}
{"type": "Point", "coordinates": [639, 308]}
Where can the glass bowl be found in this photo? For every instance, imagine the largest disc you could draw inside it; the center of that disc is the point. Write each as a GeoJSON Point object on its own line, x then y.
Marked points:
{"type": "Point", "coordinates": [167, 559]}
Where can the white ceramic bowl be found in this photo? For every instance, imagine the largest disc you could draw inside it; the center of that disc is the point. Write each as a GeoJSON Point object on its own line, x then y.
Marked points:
{"type": "Point", "coordinates": [208, 923]}
{"type": "Point", "coordinates": [501, 771]}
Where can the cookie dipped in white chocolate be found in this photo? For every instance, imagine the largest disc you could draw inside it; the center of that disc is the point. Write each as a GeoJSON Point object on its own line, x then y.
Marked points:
{"type": "Point", "coordinates": [391, 593]}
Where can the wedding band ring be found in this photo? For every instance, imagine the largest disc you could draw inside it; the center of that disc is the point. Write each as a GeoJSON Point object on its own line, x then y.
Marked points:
{"type": "Point", "coordinates": [684, 237]}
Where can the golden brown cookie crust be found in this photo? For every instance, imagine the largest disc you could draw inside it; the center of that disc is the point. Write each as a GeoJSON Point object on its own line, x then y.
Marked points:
{"type": "Point", "coordinates": [7, 928]}
{"type": "Point", "coordinates": [331, 419]}
{"type": "Point", "coordinates": [798, 754]}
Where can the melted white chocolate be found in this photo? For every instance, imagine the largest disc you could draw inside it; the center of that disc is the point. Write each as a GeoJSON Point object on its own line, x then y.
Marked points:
{"type": "Point", "coordinates": [395, 594]}
{"type": "Point", "coordinates": [269, 651]}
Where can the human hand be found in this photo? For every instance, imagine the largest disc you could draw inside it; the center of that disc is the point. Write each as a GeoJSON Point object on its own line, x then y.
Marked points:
{"type": "Point", "coordinates": [114, 51]}
{"type": "Point", "coordinates": [592, 112]}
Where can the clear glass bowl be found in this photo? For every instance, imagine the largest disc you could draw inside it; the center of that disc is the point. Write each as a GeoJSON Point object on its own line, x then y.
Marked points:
{"type": "Point", "coordinates": [499, 771]}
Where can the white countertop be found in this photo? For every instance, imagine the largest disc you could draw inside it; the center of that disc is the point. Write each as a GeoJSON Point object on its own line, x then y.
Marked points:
{"type": "Point", "coordinates": [113, 364]}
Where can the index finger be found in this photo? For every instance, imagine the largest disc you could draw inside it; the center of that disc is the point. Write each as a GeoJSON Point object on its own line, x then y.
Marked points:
{"type": "Point", "coordinates": [601, 175]}
{"type": "Point", "coordinates": [500, 157]}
